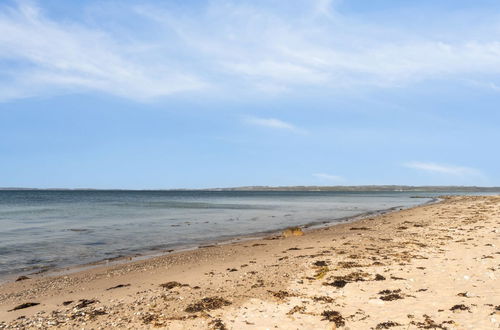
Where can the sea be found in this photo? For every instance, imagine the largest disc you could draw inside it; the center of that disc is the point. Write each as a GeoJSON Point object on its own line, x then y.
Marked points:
{"type": "Point", "coordinates": [46, 230]}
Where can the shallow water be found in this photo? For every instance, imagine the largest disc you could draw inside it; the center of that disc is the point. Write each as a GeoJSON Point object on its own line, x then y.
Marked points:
{"type": "Point", "coordinates": [42, 230]}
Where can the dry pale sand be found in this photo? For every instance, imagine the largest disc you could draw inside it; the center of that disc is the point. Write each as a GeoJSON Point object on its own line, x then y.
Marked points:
{"type": "Point", "coordinates": [431, 267]}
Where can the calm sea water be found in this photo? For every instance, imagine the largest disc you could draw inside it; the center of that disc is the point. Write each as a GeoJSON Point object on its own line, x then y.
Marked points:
{"type": "Point", "coordinates": [42, 230]}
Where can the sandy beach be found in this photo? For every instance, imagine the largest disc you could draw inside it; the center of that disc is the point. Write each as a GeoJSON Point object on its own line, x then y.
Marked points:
{"type": "Point", "coordinates": [435, 266]}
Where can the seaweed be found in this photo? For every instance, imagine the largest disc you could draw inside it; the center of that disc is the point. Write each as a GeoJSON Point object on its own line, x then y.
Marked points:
{"type": "Point", "coordinates": [379, 277]}
{"type": "Point", "coordinates": [23, 306]}
{"type": "Point", "coordinates": [296, 309]}
{"type": "Point", "coordinates": [387, 325]}
{"type": "Point", "coordinates": [390, 295]}
{"type": "Point", "coordinates": [217, 324]}
{"type": "Point", "coordinates": [207, 304]}
{"type": "Point", "coordinates": [321, 273]}
{"type": "Point", "coordinates": [118, 286]}
{"type": "Point", "coordinates": [85, 302]}
{"type": "Point", "coordinates": [324, 299]}
{"type": "Point", "coordinates": [337, 283]}
{"type": "Point", "coordinates": [22, 278]}
{"type": "Point", "coordinates": [334, 316]}
{"type": "Point", "coordinates": [172, 284]}
{"type": "Point", "coordinates": [320, 263]}
{"type": "Point", "coordinates": [460, 307]}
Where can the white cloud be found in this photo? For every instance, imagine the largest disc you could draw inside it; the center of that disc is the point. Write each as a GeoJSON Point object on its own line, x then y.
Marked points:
{"type": "Point", "coordinates": [443, 169]}
{"type": "Point", "coordinates": [230, 46]}
{"type": "Point", "coordinates": [273, 123]}
{"type": "Point", "coordinates": [328, 177]}
{"type": "Point", "coordinates": [61, 57]}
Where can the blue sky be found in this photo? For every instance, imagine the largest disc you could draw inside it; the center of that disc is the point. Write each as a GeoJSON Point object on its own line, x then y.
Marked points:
{"type": "Point", "coordinates": [193, 94]}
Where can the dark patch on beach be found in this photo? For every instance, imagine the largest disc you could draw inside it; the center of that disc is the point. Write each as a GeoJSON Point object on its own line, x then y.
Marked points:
{"type": "Point", "coordinates": [172, 284]}
{"type": "Point", "coordinates": [390, 295]}
{"type": "Point", "coordinates": [68, 302]}
{"type": "Point", "coordinates": [281, 294]}
{"type": "Point", "coordinates": [429, 323]}
{"type": "Point", "coordinates": [460, 307]}
{"type": "Point", "coordinates": [296, 309]}
{"type": "Point", "coordinates": [324, 299]}
{"type": "Point", "coordinates": [232, 270]}
{"type": "Point", "coordinates": [334, 316]}
{"type": "Point", "coordinates": [207, 304]}
{"type": "Point", "coordinates": [379, 277]}
{"type": "Point", "coordinates": [387, 325]}
{"type": "Point", "coordinates": [23, 306]}
{"type": "Point", "coordinates": [320, 263]}
{"type": "Point", "coordinates": [217, 324]}
{"type": "Point", "coordinates": [337, 283]}
{"type": "Point", "coordinates": [359, 228]}
{"type": "Point", "coordinates": [82, 303]}
{"type": "Point", "coordinates": [22, 278]}
{"type": "Point", "coordinates": [118, 286]}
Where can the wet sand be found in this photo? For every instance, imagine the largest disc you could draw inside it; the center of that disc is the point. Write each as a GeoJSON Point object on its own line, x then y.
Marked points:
{"type": "Point", "coordinates": [431, 267]}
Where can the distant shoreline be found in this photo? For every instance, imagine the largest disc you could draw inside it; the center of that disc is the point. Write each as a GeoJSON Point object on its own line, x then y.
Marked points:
{"type": "Point", "coordinates": [363, 188]}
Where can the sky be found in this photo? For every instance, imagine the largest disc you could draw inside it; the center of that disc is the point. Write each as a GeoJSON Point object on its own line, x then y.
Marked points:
{"type": "Point", "coordinates": [222, 93]}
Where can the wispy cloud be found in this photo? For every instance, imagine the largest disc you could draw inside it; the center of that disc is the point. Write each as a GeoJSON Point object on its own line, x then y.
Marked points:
{"type": "Point", "coordinates": [328, 177]}
{"type": "Point", "coordinates": [228, 46]}
{"type": "Point", "coordinates": [273, 123]}
{"type": "Point", "coordinates": [444, 169]}
{"type": "Point", "coordinates": [42, 56]}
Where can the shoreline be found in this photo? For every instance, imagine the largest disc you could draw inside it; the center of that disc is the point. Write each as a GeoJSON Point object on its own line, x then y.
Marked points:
{"type": "Point", "coordinates": [434, 265]}
{"type": "Point", "coordinates": [155, 253]}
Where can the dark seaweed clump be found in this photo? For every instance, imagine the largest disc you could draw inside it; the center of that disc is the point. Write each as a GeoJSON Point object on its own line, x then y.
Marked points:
{"type": "Point", "coordinates": [207, 304]}
{"type": "Point", "coordinates": [334, 316]}
{"type": "Point", "coordinates": [387, 325]}
{"type": "Point", "coordinates": [217, 324]}
{"type": "Point", "coordinates": [23, 306]}
{"type": "Point", "coordinates": [460, 307]}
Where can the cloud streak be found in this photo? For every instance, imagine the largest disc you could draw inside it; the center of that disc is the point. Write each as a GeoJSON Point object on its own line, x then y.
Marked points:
{"type": "Point", "coordinates": [223, 46]}
{"type": "Point", "coordinates": [443, 169]}
{"type": "Point", "coordinates": [273, 123]}
{"type": "Point", "coordinates": [328, 177]}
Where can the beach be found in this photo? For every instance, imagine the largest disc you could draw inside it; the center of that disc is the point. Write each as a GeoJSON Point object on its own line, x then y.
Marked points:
{"type": "Point", "coordinates": [434, 266]}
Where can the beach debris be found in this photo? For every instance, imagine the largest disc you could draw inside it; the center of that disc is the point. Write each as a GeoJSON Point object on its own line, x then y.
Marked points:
{"type": "Point", "coordinates": [118, 286]}
{"type": "Point", "coordinates": [281, 294]}
{"type": "Point", "coordinates": [22, 278]}
{"type": "Point", "coordinates": [429, 323]}
{"type": "Point", "coordinates": [172, 284]}
{"type": "Point", "coordinates": [324, 299]}
{"type": "Point", "coordinates": [359, 228]}
{"type": "Point", "coordinates": [379, 277]}
{"type": "Point", "coordinates": [294, 231]}
{"type": "Point", "coordinates": [149, 318]}
{"type": "Point", "coordinates": [68, 302]}
{"type": "Point", "coordinates": [207, 304]}
{"type": "Point", "coordinates": [387, 325]}
{"type": "Point", "coordinates": [337, 283]}
{"type": "Point", "coordinates": [232, 270]}
{"type": "Point", "coordinates": [82, 303]}
{"type": "Point", "coordinates": [320, 273]}
{"type": "Point", "coordinates": [349, 264]}
{"type": "Point", "coordinates": [217, 324]}
{"type": "Point", "coordinates": [334, 316]}
{"type": "Point", "coordinates": [460, 307]}
{"type": "Point", "coordinates": [390, 295]}
{"type": "Point", "coordinates": [320, 263]}
{"type": "Point", "coordinates": [296, 309]}
{"type": "Point", "coordinates": [23, 306]}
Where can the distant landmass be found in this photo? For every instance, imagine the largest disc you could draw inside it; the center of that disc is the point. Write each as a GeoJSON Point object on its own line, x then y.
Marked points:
{"type": "Point", "coordinates": [301, 188]}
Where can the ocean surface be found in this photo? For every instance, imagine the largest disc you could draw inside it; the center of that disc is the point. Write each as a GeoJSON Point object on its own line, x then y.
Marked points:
{"type": "Point", "coordinates": [45, 230]}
